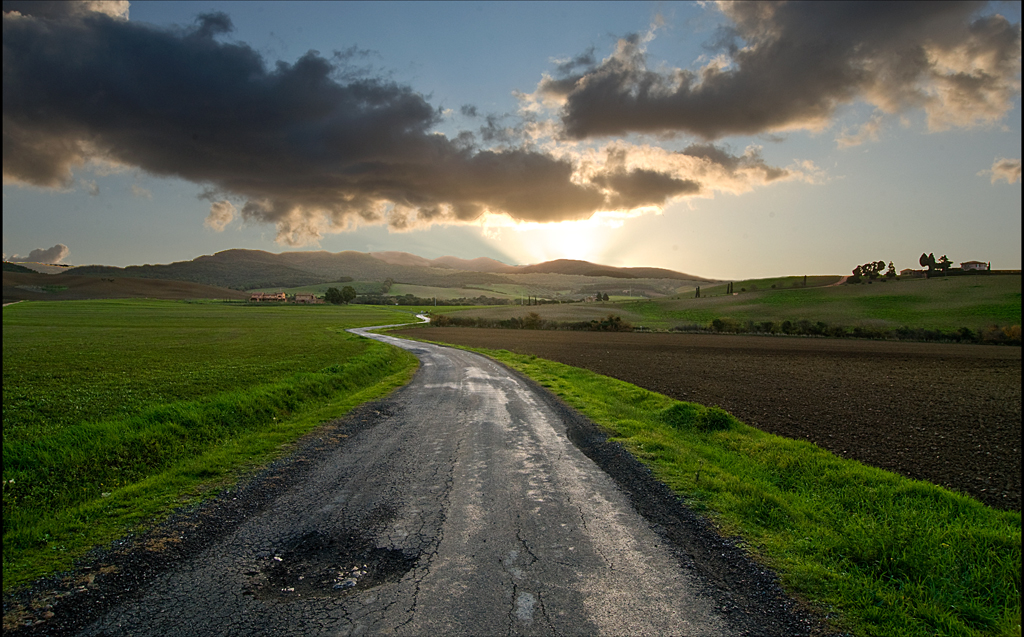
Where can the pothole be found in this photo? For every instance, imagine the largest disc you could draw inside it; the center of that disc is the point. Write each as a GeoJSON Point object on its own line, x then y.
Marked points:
{"type": "Point", "coordinates": [318, 565]}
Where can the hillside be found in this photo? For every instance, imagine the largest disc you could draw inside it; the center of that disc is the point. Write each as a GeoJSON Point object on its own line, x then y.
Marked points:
{"type": "Point", "coordinates": [238, 269]}
{"type": "Point", "coordinates": [480, 264]}
{"type": "Point", "coordinates": [255, 269]}
{"type": "Point", "coordinates": [14, 267]}
{"type": "Point", "coordinates": [586, 268]}
{"type": "Point", "coordinates": [19, 286]}
{"type": "Point", "coordinates": [30, 266]}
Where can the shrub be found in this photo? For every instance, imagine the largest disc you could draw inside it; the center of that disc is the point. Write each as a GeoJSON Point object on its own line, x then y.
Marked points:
{"type": "Point", "coordinates": [610, 323]}
{"type": "Point", "coordinates": [716, 419]}
{"type": "Point", "coordinates": [725, 325]}
{"type": "Point", "coordinates": [966, 335]}
{"type": "Point", "coordinates": [532, 321]}
{"type": "Point", "coordinates": [692, 416]}
{"type": "Point", "coordinates": [689, 327]}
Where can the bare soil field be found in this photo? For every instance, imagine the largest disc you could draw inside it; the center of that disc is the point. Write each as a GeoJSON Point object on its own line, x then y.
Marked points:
{"type": "Point", "coordinates": [949, 414]}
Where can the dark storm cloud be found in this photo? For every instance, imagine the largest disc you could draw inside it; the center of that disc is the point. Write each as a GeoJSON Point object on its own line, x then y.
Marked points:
{"type": "Point", "coordinates": [789, 65]}
{"type": "Point", "coordinates": [312, 147]}
{"type": "Point", "coordinates": [641, 187]}
{"type": "Point", "coordinates": [56, 254]}
{"type": "Point", "coordinates": [291, 144]}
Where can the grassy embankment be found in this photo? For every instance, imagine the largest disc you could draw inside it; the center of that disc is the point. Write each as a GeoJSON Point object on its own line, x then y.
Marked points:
{"type": "Point", "coordinates": [115, 412]}
{"type": "Point", "coordinates": [879, 553]}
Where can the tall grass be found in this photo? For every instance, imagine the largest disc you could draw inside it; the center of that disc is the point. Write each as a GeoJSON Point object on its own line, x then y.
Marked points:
{"type": "Point", "coordinates": [884, 554]}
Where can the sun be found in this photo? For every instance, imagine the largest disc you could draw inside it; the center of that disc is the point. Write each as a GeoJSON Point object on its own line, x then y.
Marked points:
{"type": "Point", "coordinates": [595, 239]}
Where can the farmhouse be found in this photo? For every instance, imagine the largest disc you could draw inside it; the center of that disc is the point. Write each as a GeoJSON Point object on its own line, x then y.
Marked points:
{"type": "Point", "coordinates": [913, 274]}
{"type": "Point", "coordinates": [307, 298]}
{"type": "Point", "coordinates": [974, 265]}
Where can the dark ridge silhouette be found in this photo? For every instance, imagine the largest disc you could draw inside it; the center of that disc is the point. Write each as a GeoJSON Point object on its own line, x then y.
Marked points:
{"type": "Point", "coordinates": [249, 269]}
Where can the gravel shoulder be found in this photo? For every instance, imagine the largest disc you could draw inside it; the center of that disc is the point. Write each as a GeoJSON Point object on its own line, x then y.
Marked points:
{"type": "Point", "coordinates": [945, 413]}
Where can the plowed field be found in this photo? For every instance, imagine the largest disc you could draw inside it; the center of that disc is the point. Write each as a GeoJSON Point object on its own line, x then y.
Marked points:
{"type": "Point", "coordinates": [948, 414]}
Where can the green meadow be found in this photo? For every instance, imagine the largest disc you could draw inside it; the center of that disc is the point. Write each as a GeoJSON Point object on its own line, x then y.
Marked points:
{"type": "Point", "coordinates": [877, 553]}
{"type": "Point", "coordinates": [114, 412]}
{"type": "Point", "coordinates": [944, 304]}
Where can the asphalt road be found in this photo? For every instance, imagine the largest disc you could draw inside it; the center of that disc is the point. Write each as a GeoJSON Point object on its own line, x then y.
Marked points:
{"type": "Point", "coordinates": [459, 505]}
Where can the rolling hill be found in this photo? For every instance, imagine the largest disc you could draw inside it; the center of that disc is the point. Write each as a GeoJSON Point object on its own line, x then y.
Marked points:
{"type": "Point", "coordinates": [251, 269]}
{"type": "Point", "coordinates": [20, 286]}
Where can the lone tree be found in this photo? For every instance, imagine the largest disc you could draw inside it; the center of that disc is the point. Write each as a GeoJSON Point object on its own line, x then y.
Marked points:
{"type": "Point", "coordinates": [698, 293]}
{"type": "Point", "coordinates": [348, 293]}
{"type": "Point", "coordinates": [333, 295]}
{"type": "Point", "coordinates": [927, 261]}
{"type": "Point", "coordinates": [891, 272]}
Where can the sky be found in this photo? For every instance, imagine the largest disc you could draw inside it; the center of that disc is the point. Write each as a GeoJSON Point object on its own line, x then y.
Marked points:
{"type": "Point", "coordinates": [726, 140]}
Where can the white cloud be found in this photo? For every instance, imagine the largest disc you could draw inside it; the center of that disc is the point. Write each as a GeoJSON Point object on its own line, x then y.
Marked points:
{"type": "Point", "coordinates": [221, 214]}
{"type": "Point", "coordinates": [1003, 168]}
{"type": "Point", "coordinates": [56, 254]}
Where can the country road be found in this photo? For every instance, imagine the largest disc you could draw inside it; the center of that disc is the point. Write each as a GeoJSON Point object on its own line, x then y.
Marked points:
{"type": "Point", "coordinates": [457, 506]}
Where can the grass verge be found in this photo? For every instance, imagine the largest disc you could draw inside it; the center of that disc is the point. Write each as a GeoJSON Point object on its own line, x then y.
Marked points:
{"type": "Point", "coordinates": [882, 554]}
{"type": "Point", "coordinates": [70, 485]}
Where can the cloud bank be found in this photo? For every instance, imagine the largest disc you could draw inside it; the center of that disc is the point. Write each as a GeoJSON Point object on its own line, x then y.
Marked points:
{"type": "Point", "coordinates": [56, 254]}
{"type": "Point", "coordinates": [790, 65]}
{"type": "Point", "coordinates": [311, 147]}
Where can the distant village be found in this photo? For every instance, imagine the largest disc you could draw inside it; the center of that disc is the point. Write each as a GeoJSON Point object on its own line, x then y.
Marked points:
{"type": "Point", "coordinates": [965, 266]}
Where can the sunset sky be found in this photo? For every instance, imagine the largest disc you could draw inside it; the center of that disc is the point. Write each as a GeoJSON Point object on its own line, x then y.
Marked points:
{"type": "Point", "coordinates": [723, 140]}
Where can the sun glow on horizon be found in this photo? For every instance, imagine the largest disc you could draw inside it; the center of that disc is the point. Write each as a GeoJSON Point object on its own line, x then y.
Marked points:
{"type": "Point", "coordinates": [593, 239]}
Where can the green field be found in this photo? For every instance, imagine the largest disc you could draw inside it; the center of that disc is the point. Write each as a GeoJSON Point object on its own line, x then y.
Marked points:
{"type": "Point", "coordinates": [114, 411]}
{"type": "Point", "coordinates": [773, 283]}
{"type": "Point", "coordinates": [942, 303]}
{"type": "Point", "coordinates": [876, 553]}
{"type": "Point", "coordinates": [936, 304]}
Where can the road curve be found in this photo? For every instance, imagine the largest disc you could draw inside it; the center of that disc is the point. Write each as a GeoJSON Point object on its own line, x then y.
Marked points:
{"type": "Point", "coordinates": [461, 508]}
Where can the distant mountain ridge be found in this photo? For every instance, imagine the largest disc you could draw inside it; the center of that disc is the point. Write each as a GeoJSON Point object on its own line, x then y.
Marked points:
{"type": "Point", "coordinates": [248, 269]}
